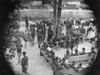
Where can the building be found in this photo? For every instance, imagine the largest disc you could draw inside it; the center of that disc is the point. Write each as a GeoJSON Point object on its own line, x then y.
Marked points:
{"type": "Point", "coordinates": [74, 4]}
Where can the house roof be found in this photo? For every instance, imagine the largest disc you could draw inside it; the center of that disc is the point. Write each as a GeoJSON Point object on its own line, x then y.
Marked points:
{"type": "Point", "coordinates": [37, 3]}
{"type": "Point", "coordinates": [72, 0]}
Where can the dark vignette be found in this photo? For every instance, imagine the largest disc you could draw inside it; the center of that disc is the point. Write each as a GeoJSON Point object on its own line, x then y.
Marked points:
{"type": "Point", "coordinates": [94, 5]}
{"type": "Point", "coordinates": [8, 6]}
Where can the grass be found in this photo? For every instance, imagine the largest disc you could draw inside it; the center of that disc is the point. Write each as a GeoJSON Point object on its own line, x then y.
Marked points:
{"type": "Point", "coordinates": [39, 14]}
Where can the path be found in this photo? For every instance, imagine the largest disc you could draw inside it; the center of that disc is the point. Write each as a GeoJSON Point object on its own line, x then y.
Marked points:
{"type": "Point", "coordinates": [37, 64]}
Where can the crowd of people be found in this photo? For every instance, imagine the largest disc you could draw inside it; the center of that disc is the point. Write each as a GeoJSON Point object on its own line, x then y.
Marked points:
{"type": "Point", "coordinates": [73, 33]}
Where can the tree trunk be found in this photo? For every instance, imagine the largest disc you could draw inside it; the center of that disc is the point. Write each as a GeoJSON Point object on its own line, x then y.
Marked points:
{"type": "Point", "coordinates": [55, 17]}
{"type": "Point", "coordinates": [59, 18]}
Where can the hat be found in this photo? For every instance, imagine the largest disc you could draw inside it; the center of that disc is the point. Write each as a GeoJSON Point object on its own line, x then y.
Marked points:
{"type": "Point", "coordinates": [83, 48]}
{"type": "Point", "coordinates": [92, 48]}
{"type": "Point", "coordinates": [24, 52]}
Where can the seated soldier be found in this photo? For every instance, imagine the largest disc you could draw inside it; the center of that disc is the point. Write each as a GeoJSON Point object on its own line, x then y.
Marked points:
{"type": "Point", "coordinates": [65, 63]}
{"type": "Point", "coordinates": [56, 59]}
{"type": "Point", "coordinates": [84, 66]}
{"type": "Point", "coordinates": [67, 44]}
{"type": "Point", "coordinates": [90, 62]}
{"type": "Point", "coordinates": [67, 52]}
{"type": "Point", "coordinates": [51, 54]}
{"type": "Point", "coordinates": [76, 52]}
{"type": "Point", "coordinates": [79, 68]}
{"type": "Point", "coordinates": [83, 51]}
{"type": "Point", "coordinates": [61, 43]}
{"type": "Point", "coordinates": [76, 65]}
{"type": "Point", "coordinates": [54, 41]}
{"type": "Point", "coordinates": [44, 46]}
{"type": "Point", "coordinates": [65, 56]}
{"type": "Point", "coordinates": [73, 63]}
{"type": "Point", "coordinates": [92, 50]}
{"type": "Point", "coordinates": [59, 60]}
{"type": "Point", "coordinates": [63, 37]}
{"type": "Point", "coordinates": [56, 45]}
{"type": "Point", "coordinates": [49, 48]}
{"type": "Point", "coordinates": [50, 43]}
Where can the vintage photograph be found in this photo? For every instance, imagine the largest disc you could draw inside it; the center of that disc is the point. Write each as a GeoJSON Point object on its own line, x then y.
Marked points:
{"type": "Point", "coordinates": [52, 37]}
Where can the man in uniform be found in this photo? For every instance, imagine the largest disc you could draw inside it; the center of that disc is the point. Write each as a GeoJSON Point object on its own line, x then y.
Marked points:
{"type": "Point", "coordinates": [33, 33]}
{"type": "Point", "coordinates": [19, 50]}
{"type": "Point", "coordinates": [24, 63]}
{"type": "Point", "coordinates": [83, 51]}
{"type": "Point", "coordinates": [39, 36]}
{"type": "Point", "coordinates": [27, 24]}
{"type": "Point", "coordinates": [50, 34]}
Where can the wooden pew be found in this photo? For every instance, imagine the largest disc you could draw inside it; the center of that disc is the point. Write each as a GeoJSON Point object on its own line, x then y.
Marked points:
{"type": "Point", "coordinates": [49, 59]}
{"type": "Point", "coordinates": [80, 58]}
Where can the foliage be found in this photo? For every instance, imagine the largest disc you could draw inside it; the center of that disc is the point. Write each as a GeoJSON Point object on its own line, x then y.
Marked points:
{"type": "Point", "coordinates": [46, 2]}
{"type": "Point", "coordinates": [25, 2]}
{"type": "Point", "coordinates": [12, 26]}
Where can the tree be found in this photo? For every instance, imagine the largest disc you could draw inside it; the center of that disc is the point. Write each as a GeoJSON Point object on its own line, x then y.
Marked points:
{"type": "Point", "coordinates": [59, 18]}
{"type": "Point", "coordinates": [46, 2]}
{"type": "Point", "coordinates": [11, 27]}
{"type": "Point", "coordinates": [54, 17]}
{"type": "Point", "coordinates": [26, 1]}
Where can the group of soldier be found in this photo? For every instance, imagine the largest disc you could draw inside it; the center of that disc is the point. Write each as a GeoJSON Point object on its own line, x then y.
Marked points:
{"type": "Point", "coordinates": [42, 30]}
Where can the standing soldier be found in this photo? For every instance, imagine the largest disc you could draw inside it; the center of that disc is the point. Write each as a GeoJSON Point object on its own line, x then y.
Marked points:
{"type": "Point", "coordinates": [44, 32]}
{"type": "Point", "coordinates": [72, 45]}
{"type": "Point", "coordinates": [67, 52]}
{"type": "Point", "coordinates": [33, 33]}
{"type": "Point", "coordinates": [27, 24]}
{"type": "Point", "coordinates": [19, 50]}
{"type": "Point", "coordinates": [25, 39]}
{"type": "Point", "coordinates": [50, 34]}
{"type": "Point", "coordinates": [39, 35]}
{"type": "Point", "coordinates": [24, 63]}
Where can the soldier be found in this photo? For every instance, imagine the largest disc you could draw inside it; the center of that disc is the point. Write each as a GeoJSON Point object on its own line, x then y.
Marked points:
{"type": "Point", "coordinates": [39, 35]}
{"type": "Point", "coordinates": [44, 33]}
{"type": "Point", "coordinates": [19, 50]}
{"type": "Point", "coordinates": [92, 51]}
{"type": "Point", "coordinates": [24, 63]}
{"type": "Point", "coordinates": [26, 21]}
{"type": "Point", "coordinates": [83, 51]}
{"type": "Point", "coordinates": [50, 34]}
{"type": "Point", "coordinates": [67, 52]}
{"type": "Point", "coordinates": [33, 33]}
{"type": "Point", "coordinates": [76, 51]}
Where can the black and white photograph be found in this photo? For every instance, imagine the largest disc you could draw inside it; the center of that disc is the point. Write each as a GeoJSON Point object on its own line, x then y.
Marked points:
{"type": "Point", "coordinates": [51, 37]}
